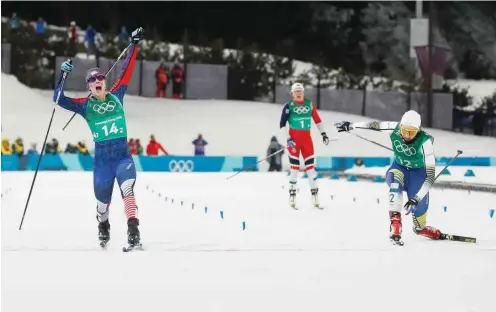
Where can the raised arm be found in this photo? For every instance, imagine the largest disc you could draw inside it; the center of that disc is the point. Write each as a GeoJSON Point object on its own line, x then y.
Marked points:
{"type": "Point", "coordinates": [372, 125]}
{"type": "Point", "coordinates": [120, 86]}
{"type": "Point", "coordinates": [375, 125]}
{"type": "Point", "coordinates": [76, 105]}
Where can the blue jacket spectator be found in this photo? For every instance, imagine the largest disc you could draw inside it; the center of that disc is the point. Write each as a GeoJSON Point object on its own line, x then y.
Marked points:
{"type": "Point", "coordinates": [90, 41]}
{"type": "Point", "coordinates": [90, 35]}
{"type": "Point", "coordinates": [14, 22]}
{"type": "Point", "coordinates": [199, 144]}
{"type": "Point", "coordinates": [124, 35]}
{"type": "Point", "coordinates": [40, 26]}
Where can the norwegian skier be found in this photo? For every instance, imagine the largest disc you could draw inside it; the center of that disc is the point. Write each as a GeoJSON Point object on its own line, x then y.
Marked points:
{"type": "Point", "coordinates": [412, 171]}
{"type": "Point", "coordinates": [105, 116]}
{"type": "Point", "coordinates": [298, 115]}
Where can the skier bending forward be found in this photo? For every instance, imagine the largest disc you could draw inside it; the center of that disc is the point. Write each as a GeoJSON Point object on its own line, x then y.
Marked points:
{"type": "Point", "coordinates": [104, 113]}
{"type": "Point", "coordinates": [299, 113]}
{"type": "Point", "coordinates": [413, 171]}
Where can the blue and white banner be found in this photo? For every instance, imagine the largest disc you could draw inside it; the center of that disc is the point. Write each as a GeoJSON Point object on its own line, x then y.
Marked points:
{"type": "Point", "coordinates": [75, 162]}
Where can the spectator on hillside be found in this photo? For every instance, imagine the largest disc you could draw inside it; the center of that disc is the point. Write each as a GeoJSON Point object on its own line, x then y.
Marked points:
{"type": "Point", "coordinates": [153, 147]}
{"type": "Point", "coordinates": [39, 26]}
{"type": "Point", "coordinates": [70, 149]}
{"type": "Point", "coordinates": [162, 78]}
{"type": "Point", "coordinates": [139, 147]}
{"type": "Point", "coordinates": [6, 149]}
{"type": "Point", "coordinates": [358, 162]}
{"type": "Point", "coordinates": [52, 147]}
{"type": "Point", "coordinates": [199, 144]}
{"type": "Point", "coordinates": [275, 162]}
{"type": "Point", "coordinates": [72, 34]}
{"type": "Point", "coordinates": [82, 149]}
{"type": "Point", "coordinates": [14, 25]}
{"type": "Point", "coordinates": [133, 149]}
{"type": "Point", "coordinates": [124, 37]}
{"type": "Point", "coordinates": [340, 78]}
{"type": "Point", "coordinates": [32, 150]}
{"type": "Point", "coordinates": [177, 81]}
{"type": "Point", "coordinates": [18, 147]}
{"type": "Point", "coordinates": [90, 41]}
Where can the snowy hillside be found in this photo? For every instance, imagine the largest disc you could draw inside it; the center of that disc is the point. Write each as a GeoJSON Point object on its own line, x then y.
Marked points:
{"type": "Point", "coordinates": [230, 127]}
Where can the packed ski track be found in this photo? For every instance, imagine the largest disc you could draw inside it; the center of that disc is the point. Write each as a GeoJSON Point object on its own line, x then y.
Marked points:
{"type": "Point", "coordinates": [214, 244]}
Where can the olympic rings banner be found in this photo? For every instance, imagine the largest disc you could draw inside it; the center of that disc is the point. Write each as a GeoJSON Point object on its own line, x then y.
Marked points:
{"type": "Point", "coordinates": [75, 162]}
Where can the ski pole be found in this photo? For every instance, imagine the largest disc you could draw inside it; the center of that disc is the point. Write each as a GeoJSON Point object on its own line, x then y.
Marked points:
{"type": "Point", "coordinates": [373, 142]}
{"type": "Point", "coordinates": [252, 165]}
{"type": "Point", "coordinates": [64, 77]}
{"type": "Point", "coordinates": [458, 153]}
{"type": "Point", "coordinates": [113, 65]}
{"type": "Point", "coordinates": [273, 154]}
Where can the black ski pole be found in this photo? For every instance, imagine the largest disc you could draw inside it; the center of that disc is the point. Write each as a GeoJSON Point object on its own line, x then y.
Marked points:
{"type": "Point", "coordinates": [43, 147]}
{"type": "Point", "coordinates": [373, 142]}
{"type": "Point", "coordinates": [458, 153]}
{"type": "Point", "coordinates": [108, 71]}
{"type": "Point", "coordinates": [253, 165]}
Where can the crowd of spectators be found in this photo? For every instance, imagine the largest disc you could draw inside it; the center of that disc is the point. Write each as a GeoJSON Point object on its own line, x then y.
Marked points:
{"type": "Point", "coordinates": [153, 148]}
{"type": "Point", "coordinates": [90, 39]}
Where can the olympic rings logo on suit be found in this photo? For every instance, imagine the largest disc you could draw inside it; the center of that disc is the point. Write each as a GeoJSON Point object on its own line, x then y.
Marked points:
{"type": "Point", "coordinates": [181, 166]}
{"type": "Point", "coordinates": [403, 148]}
{"type": "Point", "coordinates": [104, 107]}
{"type": "Point", "coordinates": [301, 109]}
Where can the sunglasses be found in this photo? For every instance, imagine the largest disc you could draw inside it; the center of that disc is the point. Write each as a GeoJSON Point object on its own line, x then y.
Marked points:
{"type": "Point", "coordinates": [99, 77]}
{"type": "Point", "coordinates": [406, 131]}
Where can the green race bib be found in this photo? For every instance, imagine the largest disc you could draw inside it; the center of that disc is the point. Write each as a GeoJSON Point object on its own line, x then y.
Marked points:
{"type": "Point", "coordinates": [408, 155]}
{"type": "Point", "coordinates": [300, 116]}
{"type": "Point", "coordinates": [106, 118]}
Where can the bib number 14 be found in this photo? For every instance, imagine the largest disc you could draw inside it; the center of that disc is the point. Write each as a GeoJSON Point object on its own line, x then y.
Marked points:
{"type": "Point", "coordinates": [113, 129]}
{"type": "Point", "coordinates": [107, 131]}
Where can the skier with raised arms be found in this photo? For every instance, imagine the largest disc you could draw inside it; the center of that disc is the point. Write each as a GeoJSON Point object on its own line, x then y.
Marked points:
{"type": "Point", "coordinates": [412, 171]}
{"type": "Point", "coordinates": [104, 114]}
{"type": "Point", "coordinates": [298, 114]}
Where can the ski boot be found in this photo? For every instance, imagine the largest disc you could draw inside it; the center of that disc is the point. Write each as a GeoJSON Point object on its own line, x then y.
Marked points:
{"type": "Point", "coordinates": [104, 232]}
{"type": "Point", "coordinates": [315, 198]}
{"type": "Point", "coordinates": [430, 232]}
{"type": "Point", "coordinates": [292, 197]}
{"type": "Point", "coordinates": [133, 233]}
{"type": "Point", "coordinates": [395, 228]}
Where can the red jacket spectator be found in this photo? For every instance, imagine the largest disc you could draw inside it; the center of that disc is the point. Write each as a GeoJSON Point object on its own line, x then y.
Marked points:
{"type": "Point", "coordinates": [162, 78]}
{"type": "Point", "coordinates": [177, 74]}
{"type": "Point", "coordinates": [153, 147]}
{"type": "Point", "coordinates": [133, 148]}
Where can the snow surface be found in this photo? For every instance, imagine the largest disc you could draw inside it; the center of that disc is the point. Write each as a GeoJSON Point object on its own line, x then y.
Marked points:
{"type": "Point", "coordinates": [338, 258]}
{"type": "Point", "coordinates": [232, 128]}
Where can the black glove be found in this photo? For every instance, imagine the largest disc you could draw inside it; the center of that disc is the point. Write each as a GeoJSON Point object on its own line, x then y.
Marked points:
{"type": "Point", "coordinates": [411, 205]}
{"type": "Point", "coordinates": [325, 138]}
{"type": "Point", "coordinates": [137, 35]}
{"type": "Point", "coordinates": [344, 126]}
